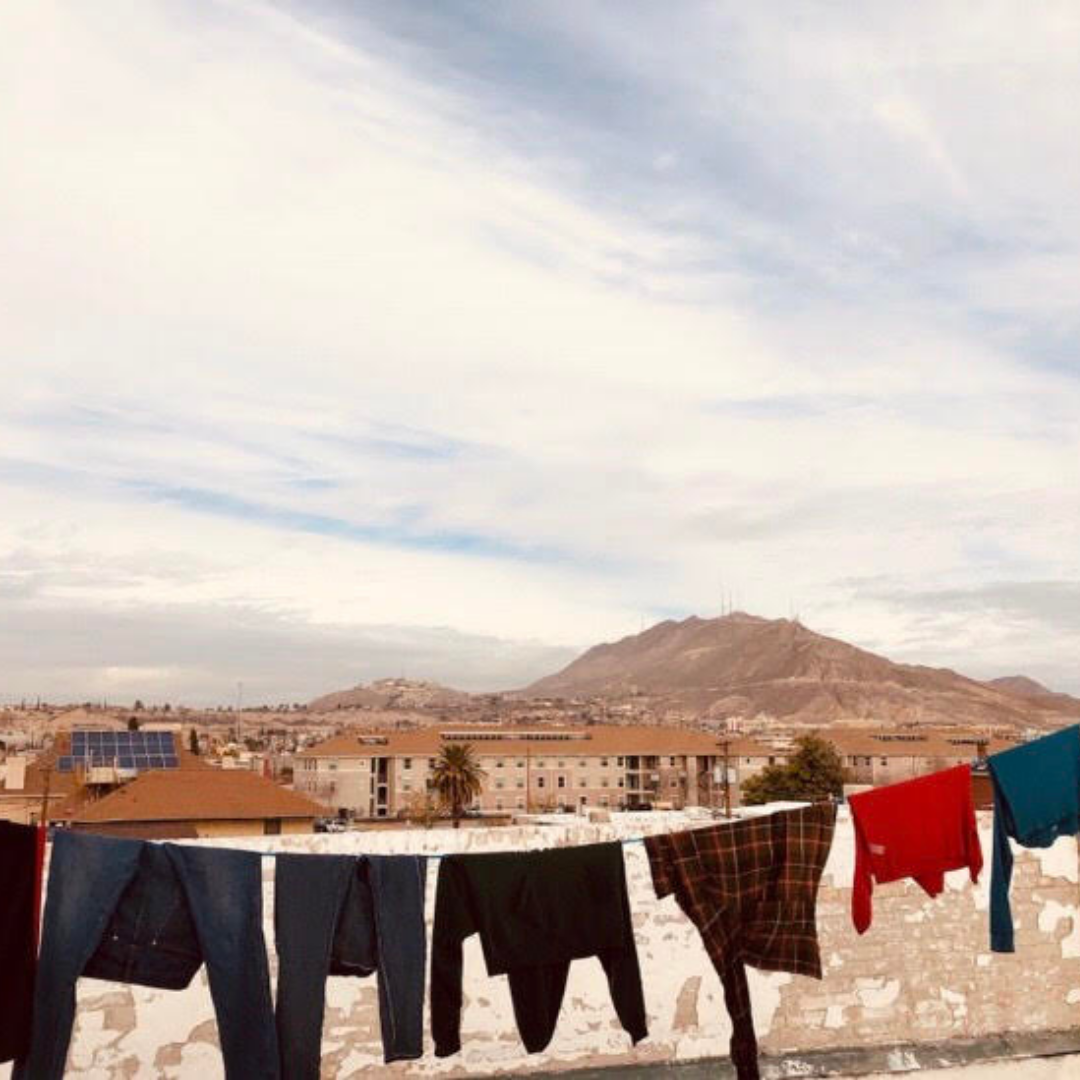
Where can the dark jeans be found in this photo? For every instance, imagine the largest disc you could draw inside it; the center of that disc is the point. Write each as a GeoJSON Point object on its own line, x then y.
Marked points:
{"type": "Point", "coordinates": [343, 915]}
{"type": "Point", "coordinates": [152, 915]}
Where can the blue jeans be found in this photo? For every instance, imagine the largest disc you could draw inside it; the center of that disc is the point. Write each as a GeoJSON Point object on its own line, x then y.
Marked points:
{"type": "Point", "coordinates": [152, 914]}
{"type": "Point", "coordinates": [343, 915]}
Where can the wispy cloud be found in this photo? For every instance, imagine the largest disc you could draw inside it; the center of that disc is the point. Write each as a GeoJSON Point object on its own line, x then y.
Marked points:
{"type": "Point", "coordinates": [534, 321]}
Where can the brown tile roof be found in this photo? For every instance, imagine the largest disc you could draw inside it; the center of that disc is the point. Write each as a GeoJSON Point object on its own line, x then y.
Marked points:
{"type": "Point", "coordinates": [911, 743]}
{"type": "Point", "coordinates": [592, 740]}
{"type": "Point", "coordinates": [199, 795]}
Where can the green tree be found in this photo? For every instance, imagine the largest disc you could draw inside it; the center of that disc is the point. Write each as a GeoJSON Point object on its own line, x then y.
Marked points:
{"type": "Point", "coordinates": [814, 772]}
{"type": "Point", "coordinates": [458, 778]}
{"type": "Point", "coordinates": [133, 723]}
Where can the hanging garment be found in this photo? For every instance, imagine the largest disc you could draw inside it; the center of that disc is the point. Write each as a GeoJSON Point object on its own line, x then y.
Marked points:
{"type": "Point", "coordinates": [22, 850]}
{"type": "Point", "coordinates": [344, 915]}
{"type": "Point", "coordinates": [535, 912]}
{"type": "Point", "coordinates": [751, 890]}
{"type": "Point", "coordinates": [152, 915]}
{"type": "Point", "coordinates": [1036, 800]}
{"type": "Point", "coordinates": [919, 829]}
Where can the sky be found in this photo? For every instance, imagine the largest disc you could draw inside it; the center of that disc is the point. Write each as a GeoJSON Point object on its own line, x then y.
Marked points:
{"type": "Point", "coordinates": [350, 340]}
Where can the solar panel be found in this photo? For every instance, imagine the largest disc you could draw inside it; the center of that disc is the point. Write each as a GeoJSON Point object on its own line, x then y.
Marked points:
{"type": "Point", "coordinates": [122, 749]}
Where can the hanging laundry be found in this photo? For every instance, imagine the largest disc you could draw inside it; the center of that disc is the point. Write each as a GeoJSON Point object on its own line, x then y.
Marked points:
{"type": "Point", "coordinates": [751, 890]}
{"type": "Point", "coordinates": [915, 829]}
{"type": "Point", "coordinates": [22, 850]}
{"type": "Point", "coordinates": [152, 915]}
{"type": "Point", "coordinates": [1036, 800]}
{"type": "Point", "coordinates": [348, 915]}
{"type": "Point", "coordinates": [535, 912]}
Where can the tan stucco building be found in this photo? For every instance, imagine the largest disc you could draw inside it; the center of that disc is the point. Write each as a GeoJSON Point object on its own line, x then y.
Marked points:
{"type": "Point", "coordinates": [380, 774]}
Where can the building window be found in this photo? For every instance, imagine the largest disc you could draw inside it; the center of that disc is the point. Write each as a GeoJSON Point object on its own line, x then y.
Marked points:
{"type": "Point", "coordinates": [582, 762]}
{"type": "Point", "coordinates": [272, 826]}
{"type": "Point", "coordinates": [498, 785]}
{"type": "Point", "coordinates": [521, 764]}
{"type": "Point", "coordinates": [540, 781]}
{"type": "Point", "coordinates": [772, 761]}
{"type": "Point", "coordinates": [562, 764]}
{"type": "Point", "coordinates": [431, 763]}
{"type": "Point", "coordinates": [603, 763]}
{"type": "Point", "coordinates": [499, 763]}
{"type": "Point", "coordinates": [621, 782]}
{"type": "Point", "coordinates": [332, 766]}
{"type": "Point", "coordinates": [562, 781]}
{"type": "Point", "coordinates": [603, 782]}
{"type": "Point", "coordinates": [671, 762]}
{"type": "Point", "coordinates": [539, 764]}
{"type": "Point", "coordinates": [521, 804]}
{"type": "Point", "coordinates": [498, 804]}
{"type": "Point", "coordinates": [884, 761]}
{"type": "Point", "coordinates": [620, 762]}
{"type": "Point", "coordinates": [520, 783]}
{"type": "Point", "coordinates": [407, 764]}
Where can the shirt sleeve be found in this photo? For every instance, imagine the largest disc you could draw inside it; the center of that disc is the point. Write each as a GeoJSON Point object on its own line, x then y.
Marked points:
{"type": "Point", "coordinates": [862, 885]}
{"type": "Point", "coordinates": [453, 924]}
{"type": "Point", "coordinates": [660, 851]}
{"type": "Point", "coordinates": [1001, 921]}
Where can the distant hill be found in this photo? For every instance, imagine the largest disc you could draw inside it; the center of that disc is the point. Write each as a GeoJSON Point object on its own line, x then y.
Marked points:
{"type": "Point", "coordinates": [390, 694]}
{"type": "Point", "coordinates": [740, 665]}
{"type": "Point", "coordinates": [1022, 686]}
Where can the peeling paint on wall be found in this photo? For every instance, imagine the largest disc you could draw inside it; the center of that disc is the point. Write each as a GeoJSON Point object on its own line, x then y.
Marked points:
{"type": "Point", "coordinates": [922, 972]}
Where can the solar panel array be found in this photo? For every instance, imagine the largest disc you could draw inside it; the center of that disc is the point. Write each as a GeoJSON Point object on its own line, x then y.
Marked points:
{"type": "Point", "coordinates": [121, 750]}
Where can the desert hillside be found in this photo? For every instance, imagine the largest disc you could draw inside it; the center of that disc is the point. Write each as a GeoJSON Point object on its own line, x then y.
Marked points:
{"type": "Point", "coordinates": [745, 666]}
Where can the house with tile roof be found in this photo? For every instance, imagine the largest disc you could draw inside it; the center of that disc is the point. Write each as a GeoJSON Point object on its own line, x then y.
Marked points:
{"type": "Point", "coordinates": [179, 804]}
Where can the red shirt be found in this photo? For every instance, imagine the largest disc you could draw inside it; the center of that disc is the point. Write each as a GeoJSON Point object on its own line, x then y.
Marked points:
{"type": "Point", "coordinates": [919, 829]}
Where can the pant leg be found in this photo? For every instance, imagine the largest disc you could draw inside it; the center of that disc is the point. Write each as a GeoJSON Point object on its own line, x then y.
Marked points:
{"type": "Point", "coordinates": [87, 875]}
{"type": "Point", "coordinates": [624, 981]}
{"type": "Point", "coordinates": [537, 994]}
{"type": "Point", "coordinates": [308, 893]}
{"type": "Point", "coordinates": [224, 894]}
{"type": "Point", "coordinates": [397, 885]}
{"type": "Point", "coordinates": [624, 972]}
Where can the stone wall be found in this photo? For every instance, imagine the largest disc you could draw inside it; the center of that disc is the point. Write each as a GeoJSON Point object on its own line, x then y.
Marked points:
{"type": "Point", "coordinates": [922, 974]}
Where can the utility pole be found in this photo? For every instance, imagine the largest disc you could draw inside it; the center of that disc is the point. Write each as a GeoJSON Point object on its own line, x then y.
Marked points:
{"type": "Point", "coordinates": [725, 745]}
{"type": "Point", "coordinates": [45, 795]}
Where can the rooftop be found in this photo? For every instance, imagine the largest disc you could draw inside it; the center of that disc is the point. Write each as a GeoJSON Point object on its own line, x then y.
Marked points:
{"type": "Point", "coordinates": [595, 739]}
{"type": "Point", "coordinates": [198, 795]}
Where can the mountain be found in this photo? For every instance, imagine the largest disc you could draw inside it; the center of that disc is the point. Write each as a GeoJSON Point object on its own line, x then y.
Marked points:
{"type": "Point", "coordinates": [740, 665]}
{"type": "Point", "coordinates": [1023, 687]}
{"type": "Point", "coordinates": [390, 694]}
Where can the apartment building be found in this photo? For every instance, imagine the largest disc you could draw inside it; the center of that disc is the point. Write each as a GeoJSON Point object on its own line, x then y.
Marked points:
{"type": "Point", "coordinates": [880, 757]}
{"type": "Point", "coordinates": [381, 774]}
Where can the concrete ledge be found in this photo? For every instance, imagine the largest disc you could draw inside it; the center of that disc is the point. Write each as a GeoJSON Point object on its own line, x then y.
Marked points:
{"type": "Point", "coordinates": [857, 1061]}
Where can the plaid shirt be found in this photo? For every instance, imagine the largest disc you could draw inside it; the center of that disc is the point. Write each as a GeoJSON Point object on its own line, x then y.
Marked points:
{"type": "Point", "coordinates": [750, 888]}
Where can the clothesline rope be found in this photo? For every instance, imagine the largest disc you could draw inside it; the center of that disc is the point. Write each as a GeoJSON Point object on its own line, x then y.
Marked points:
{"type": "Point", "coordinates": [625, 841]}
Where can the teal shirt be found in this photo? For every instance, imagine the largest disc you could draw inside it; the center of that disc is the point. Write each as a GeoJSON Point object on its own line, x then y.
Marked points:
{"type": "Point", "coordinates": [1036, 800]}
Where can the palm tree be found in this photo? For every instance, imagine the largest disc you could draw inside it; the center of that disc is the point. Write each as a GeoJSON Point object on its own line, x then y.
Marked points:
{"type": "Point", "coordinates": [457, 778]}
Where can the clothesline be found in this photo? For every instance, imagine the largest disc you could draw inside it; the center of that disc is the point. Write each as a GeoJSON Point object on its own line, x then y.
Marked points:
{"type": "Point", "coordinates": [766, 867]}
{"type": "Point", "coordinates": [625, 841]}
